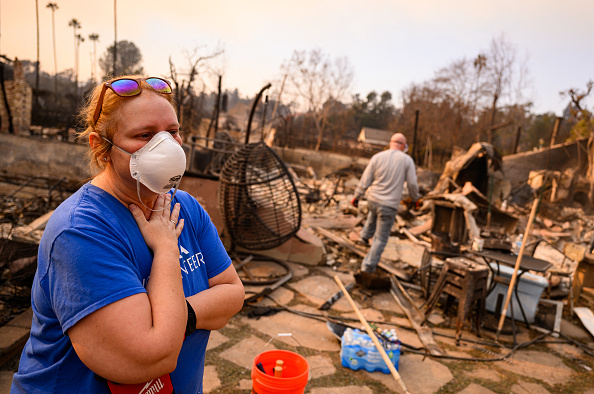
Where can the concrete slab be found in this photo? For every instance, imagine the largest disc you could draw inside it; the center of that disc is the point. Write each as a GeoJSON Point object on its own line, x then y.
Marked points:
{"type": "Point", "coordinates": [298, 270]}
{"type": "Point", "coordinates": [306, 309]}
{"type": "Point", "coordinates": [574, 331]}
{"type": "Point", "coordinates": [409, 337]}
{"type": "Point", "coordinates": [474, 388]}
{"type": "Point", "coordinates": [404, 250]}
{"type": "Point", "coordinates": [401, 322]}
{"type": "Point", "coordinates": [345, 277]}
{"type": "Point", "coordinates": [280, 296]}
{"type": "Point", "coordinates": [317, 289]}
{"type": "Point", "coordinates": [310, 333]}
{"type": "Point", "coordinates": [522, 336]}
{"type": "Point", "coordinates": [386, 302]}
{"type": "Point", "coordinates": [344, 222]}
{"type": "Point", "coordinates": [342, 390]}
{"type": "Point", "coordinates": [296, 250]}
{"type": "Point", "coordinates": [538, 365]}
{"type": "Point", "coordinates": [436, 318]}
{"type": "Point", "coordinates": [10, 336]}
{"type": "Point", "coordinates": [565, 349]}
{"type": "Point", "coordinates": [369, 314]}
{"type": "Point", "coordinates": [5, 381]}
{"type": "Point", "coordinates": [211, 380]}
{"type": "Point", "coordinates": [320, 365]}
{"type": "Point", "coordinates": [245, 384]}
{"type": "Point", "coordinates": [451, 342]}
{"type": "Point", "coordinates": [484, 374]}
{"type": "Point", "coordinates": [23, 320]}
{"type": "Point", "coordinates": [528, 388]}
{"type": "Point", "coordinates": [245, 351]}
{"type": "Point", "coordinates": [216, 339]}
{"type": "Point", "coordinates": [12, 340]}
{"type": "Point", "coordinates": [420, 377]}
{"type": "Point", "coordinates": [455, 353]}
{"type": "Point", "coordinates": [447, 334]}
{"type": "Point", "coordinates": [231, 325]}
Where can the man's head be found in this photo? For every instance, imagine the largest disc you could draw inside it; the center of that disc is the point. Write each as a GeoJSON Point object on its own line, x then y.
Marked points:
{"type": "Point", "coordinates": [398, 141]}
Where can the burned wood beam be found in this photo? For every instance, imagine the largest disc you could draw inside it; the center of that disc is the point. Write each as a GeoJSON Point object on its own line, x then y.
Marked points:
{"type": "Point", "coordinates": [555, 130]}
{"type": "Point", "coordinates": [415, 316]}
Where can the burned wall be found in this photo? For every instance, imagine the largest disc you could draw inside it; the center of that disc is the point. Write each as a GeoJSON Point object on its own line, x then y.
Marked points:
{"type": "Point", "coordinates": [34, 156]}
{"type": "Point", "coordinates": [323, 163]}
{"type": "Point", "coordinates": [20, 100]}
{"type": "Point", "coordinates": [559, 157]}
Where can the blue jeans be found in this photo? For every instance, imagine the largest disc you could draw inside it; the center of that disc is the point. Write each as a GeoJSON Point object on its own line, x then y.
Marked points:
{"type": "Point", "coordinates": [378, 225]}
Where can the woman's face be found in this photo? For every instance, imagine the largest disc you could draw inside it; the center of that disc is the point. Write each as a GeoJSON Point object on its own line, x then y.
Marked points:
{"type": "Point", "coordinates": [141, 118]}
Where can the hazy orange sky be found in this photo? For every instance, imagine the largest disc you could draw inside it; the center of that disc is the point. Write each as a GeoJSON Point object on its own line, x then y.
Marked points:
{"type": "Point", "coordinates": [390, 44]}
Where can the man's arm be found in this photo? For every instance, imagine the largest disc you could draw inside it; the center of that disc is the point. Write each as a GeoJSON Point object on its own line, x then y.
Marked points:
{"type": "Point", "coordinates": [366, 179]}
{"type": "Point", "coordinates": [215, 306]}
{"type": "Point", "coordinates": [411, 181]}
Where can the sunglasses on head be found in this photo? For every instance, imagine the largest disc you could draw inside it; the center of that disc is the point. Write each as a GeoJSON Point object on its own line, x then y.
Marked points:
{"type": "Point", "coordinates": [128, 87]}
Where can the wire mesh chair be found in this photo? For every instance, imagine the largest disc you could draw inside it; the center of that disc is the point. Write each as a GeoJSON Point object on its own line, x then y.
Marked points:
{"type": "Point", "coordinates": [258, 198]}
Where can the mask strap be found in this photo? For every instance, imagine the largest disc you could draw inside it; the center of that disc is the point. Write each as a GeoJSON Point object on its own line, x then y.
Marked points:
{"type": "Point", "coordinates": [114, 145]}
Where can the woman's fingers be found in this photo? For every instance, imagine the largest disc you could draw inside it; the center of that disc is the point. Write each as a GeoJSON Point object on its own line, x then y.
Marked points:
{"type": "Point", "coordinates": [159, 204]}
{"type": "Point", "coordinates": [179, 227]}
{"type": "Point", "coordinates": [138, 216]}
{"type": "Point", "coordinates": [174, 215]}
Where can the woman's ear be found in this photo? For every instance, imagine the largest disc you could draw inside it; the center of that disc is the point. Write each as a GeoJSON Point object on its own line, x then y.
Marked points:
{"type": "Point", "coordinates": [94, 140]}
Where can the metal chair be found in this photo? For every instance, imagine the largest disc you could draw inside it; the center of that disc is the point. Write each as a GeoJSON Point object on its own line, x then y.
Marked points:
{"type": "Point", "coordinates": [563, 266]}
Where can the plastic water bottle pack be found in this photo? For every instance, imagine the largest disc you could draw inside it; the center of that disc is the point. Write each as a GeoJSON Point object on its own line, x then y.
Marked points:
{"type": "Point", "coordinates": [358, 351]}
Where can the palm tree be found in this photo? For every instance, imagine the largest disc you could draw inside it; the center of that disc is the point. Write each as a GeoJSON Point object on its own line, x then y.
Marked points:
{"type": "Point", "coordinates": [75, 24]}
{"type": "Point", "coordinates": [94, 37]}
{"type": "Point", "coordinates": [37, 67]}
{"type": "Point", "coordinates": [79, 39]}
{"type": "Point", "coordinates": [115, 40]}
{"type": "Point", "coordinates": [54, 7]}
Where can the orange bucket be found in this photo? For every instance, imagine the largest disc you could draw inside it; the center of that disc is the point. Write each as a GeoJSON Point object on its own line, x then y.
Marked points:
{"type": "Point", "coordinates": [294, 377]}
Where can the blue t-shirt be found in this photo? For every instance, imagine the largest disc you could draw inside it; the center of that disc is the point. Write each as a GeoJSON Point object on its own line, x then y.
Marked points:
{"type": "Point", "coordinates": [92, 254]}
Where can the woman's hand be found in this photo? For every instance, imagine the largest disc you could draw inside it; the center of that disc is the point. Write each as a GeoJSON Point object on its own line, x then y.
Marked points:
{"type": "Point", "coordinates": [162, 228]}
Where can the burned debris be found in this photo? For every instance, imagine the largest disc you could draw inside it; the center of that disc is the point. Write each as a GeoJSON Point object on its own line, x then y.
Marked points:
{"type": "Point", "coordinates": [286, 225]}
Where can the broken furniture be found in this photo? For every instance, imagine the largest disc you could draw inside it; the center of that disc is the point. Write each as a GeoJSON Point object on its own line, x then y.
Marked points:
{"type": "Point", "coordinates": [465, 280]}
{"type": "Point", "coordinates": [584, 275]}
{"type": "Point", "coordinates": [487, 214]}
{"type": "Point", "coordinates": [528, 287]}
{"type": "Point", "coordinates": [258, 199]}
{"type": "Point", "coordinates": [474, 166]}
{"type": "Point", "coordinates": [563, 266]}
{"type": "Point", "coordinates": [448, 228]}
{"type": "Point", "coordinates": [261, 210]}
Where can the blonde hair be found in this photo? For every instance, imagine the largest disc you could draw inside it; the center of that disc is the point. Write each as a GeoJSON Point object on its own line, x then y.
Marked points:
{"type": "Point", "coordinates": [107, 123]}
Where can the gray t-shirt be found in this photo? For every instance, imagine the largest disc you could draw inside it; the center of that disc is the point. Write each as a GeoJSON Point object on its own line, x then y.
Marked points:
{"type": "Point", "coordinates": [384, 178]}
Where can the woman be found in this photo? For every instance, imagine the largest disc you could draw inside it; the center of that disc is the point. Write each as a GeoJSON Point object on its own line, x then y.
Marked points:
{"type": "Point", "coordinates": [131, 272]}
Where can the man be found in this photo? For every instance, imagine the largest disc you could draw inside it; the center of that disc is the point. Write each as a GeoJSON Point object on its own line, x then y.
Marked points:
{"type": "Point", "coordinates": [383, 179]}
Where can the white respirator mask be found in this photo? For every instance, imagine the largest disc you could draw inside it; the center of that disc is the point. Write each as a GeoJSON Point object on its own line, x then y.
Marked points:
{"type": "Point", "coordinates": [159, 165]}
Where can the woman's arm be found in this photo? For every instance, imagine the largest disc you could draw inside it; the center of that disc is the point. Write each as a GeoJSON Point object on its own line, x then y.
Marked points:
{"type": "Point", "coordinates": [215, 306]}
{"type": "Point", "coordinates": [139, 337]}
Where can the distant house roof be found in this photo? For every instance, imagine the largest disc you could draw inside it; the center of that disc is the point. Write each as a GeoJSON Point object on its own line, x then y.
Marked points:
{"type": "Point", "coordinates": [372, 136]}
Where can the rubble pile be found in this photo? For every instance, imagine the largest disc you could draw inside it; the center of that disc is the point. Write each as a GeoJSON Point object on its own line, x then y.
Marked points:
{"type": "Point", "coordinates": [470, 208]}
{"type": "Point", "coordinates": [25, 206]}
